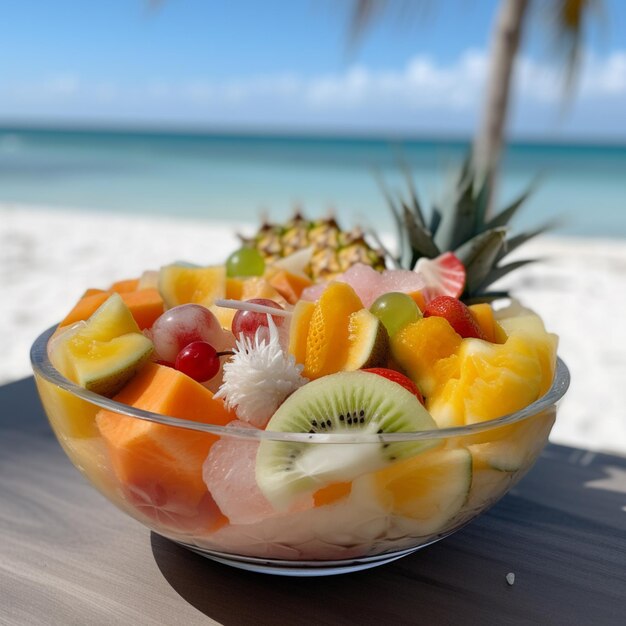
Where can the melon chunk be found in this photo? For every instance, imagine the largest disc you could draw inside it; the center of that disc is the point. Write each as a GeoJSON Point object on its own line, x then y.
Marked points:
{"type": "Point", "coordinates": [104, 367]}
{"type": "Point", "coordinates": [159, 466]}
{"type": "Point", "coordinates": [105, 352]}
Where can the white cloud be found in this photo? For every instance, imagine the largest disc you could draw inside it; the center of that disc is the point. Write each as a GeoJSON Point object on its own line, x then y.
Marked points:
{"type": "Point", "coordinates": [422, 89]}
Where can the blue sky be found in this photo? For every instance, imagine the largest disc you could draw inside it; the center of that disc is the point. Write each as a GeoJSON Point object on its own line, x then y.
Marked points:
{"type": "Point", "coordinates": [286, 65]}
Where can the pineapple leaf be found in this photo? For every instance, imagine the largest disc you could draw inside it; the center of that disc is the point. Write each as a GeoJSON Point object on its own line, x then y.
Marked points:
{"type": "Point", "coordinates": [458, 224]}
{"type": "Point", "coordinates": [515, 242]}
{"type": "Point", "coordinates": [415, 205]}
{"type": "Point", "coordinates": [488, 296]}
{"type": "Point", "coordinates": [478, 256]}
{"type": "Point", "coordinates": [402, 237]}
{"type": "Point", "coordinates": [498, 272]}
{"type": "Point", "coordinates": [420, 239]}
{"type": "Point", "coordinates": [507, 214]}
{"type": "Point", "coordinates": [435, 219]}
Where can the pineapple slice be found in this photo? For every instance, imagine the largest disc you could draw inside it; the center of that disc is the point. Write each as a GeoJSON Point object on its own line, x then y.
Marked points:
{"type": "Point", "coordinates": [182, 284]}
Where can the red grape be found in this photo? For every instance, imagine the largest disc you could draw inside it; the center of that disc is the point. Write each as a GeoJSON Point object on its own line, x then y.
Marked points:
{"type": "Point", "coordinates": [183, 325]}
{"type": "Point", "coordinates": [199, 360]}
{"type": "Point", "coordinates": [247, 322]}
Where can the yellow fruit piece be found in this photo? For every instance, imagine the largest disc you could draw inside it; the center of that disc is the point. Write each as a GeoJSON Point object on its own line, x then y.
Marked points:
{"type": "Point", "coordinates": [532, 330]}
{"type": "Point", "coordinates": [69, 415]}
{"type": "Point", "coordinates": [299, 329]}
{"type": "Point", "coordinates": [244, 289]}
{"type": "Point", "coordinates": [328, 337]}
{"type": "Point", "coordinates": [179, 284]}
{"type": "Point", "coordinates": [426, 349]}
{"type": "Point", "coordinates": [234, 288]}
{"type": "Point", "coordinates": [258, 287]}
{"type": "Point", "coordinates": [224, 316]}
{"type": "Point", "coordinates": [429, 488]}
{"type": "Point", "coordinates": [483, 315]}
{"type": "Point", "coordinates": [494, 380]}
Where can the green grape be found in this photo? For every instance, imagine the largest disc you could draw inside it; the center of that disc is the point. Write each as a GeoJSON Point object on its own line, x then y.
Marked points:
{"type": "Point", "coordinates": [395, 310]}
{"type": "Point", "coordinates": [245, 262]}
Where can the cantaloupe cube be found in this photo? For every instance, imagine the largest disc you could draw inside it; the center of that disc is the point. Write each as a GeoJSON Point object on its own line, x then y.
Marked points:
{"type": "Point", "coordinates": [146, 305]}
{"type": "Point", "coordinates": [159, 466]}
{"type": "Point", "coordinates": [124, 286]}
{"type": "Point", "coordinates": [289, 286]}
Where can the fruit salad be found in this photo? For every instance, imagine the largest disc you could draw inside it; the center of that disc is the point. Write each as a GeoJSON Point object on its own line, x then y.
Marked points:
{"type": "Point", "coordinates": [318, 415]}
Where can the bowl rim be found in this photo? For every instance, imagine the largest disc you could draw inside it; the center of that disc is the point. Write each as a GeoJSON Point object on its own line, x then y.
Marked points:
{"type": "Point", "coordinates": [43, 367]}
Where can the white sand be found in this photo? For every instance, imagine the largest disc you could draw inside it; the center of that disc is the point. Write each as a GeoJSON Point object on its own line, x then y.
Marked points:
{"type": "Point", "coordinates": [48, 258]}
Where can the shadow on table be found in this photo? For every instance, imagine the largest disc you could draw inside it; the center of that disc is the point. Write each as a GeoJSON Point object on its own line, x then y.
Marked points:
{"type": "Point", "coordinates": [233, 596]}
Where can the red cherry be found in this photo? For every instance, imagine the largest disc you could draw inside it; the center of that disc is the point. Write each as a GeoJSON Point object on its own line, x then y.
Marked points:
{"type": "Point", "coordinates": [199, 360]}
{"type": "Point", "coordinates": [247, 322]}
{"type": "Point", "coordinates": [396, 377]}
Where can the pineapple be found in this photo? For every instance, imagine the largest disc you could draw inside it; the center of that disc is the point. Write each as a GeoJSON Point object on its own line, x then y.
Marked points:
{"type": "Point", "coordinates": [464, 227]}
{"type": "Point", "coordinates": [334, 249]}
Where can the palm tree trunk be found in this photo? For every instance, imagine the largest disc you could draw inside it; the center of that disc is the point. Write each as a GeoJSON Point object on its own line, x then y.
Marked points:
{"type": "Point", "coordinates": [504, 46]}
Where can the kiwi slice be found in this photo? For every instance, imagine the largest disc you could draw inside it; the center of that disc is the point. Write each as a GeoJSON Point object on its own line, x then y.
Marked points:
{"type": "Point", "coordinates": [349, 403]}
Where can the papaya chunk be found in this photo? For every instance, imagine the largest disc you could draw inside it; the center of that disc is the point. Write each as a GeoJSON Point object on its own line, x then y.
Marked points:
{"type": "Point", "coordinates": [124, 286]}
{"type": "Point", "coordinates": [146, 305]}
{"type": "Point", "coordinates": [159, 466]}
{"type": "Point", "coordinates": [289, 286]}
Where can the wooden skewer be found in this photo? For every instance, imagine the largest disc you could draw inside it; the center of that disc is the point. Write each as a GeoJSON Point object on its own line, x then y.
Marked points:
{"type": "Point", "coordinates": [251, 306]}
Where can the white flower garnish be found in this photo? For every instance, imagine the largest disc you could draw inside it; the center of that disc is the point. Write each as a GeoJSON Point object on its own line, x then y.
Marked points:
{"type": "Point", "coordinates": [259, 376]}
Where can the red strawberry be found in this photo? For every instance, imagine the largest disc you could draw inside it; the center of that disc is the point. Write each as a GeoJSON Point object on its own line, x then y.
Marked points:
{"type": "Point", "coordinates": [396, 377]}
{"type": "Point", "coordinates": [457, 314]}
{"type": "Point", "coordinates": [444, 276]}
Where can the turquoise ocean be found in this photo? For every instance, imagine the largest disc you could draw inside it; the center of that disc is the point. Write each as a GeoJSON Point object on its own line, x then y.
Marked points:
{"type": "Point", "coordinates": [239, 177]}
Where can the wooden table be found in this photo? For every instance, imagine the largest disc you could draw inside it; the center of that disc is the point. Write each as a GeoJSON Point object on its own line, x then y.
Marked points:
{"type": "Point", "coordinates": [67, 556]}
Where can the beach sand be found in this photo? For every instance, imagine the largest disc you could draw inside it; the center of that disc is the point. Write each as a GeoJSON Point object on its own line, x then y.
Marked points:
{"type": "Point", "coordinates": [49, 257]}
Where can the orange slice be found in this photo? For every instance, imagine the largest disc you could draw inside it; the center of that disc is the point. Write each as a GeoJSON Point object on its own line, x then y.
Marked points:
{"type": "Point", "coordinates": [328, 339]}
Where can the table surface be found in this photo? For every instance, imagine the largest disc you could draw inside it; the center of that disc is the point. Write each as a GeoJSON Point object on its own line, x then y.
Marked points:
{"type": "Point", "coordinates": [67, 556]}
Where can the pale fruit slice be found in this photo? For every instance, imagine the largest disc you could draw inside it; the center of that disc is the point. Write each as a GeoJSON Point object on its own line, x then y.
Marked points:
{"type": "Point", "coordinates": [295, 263]}
{"type": "Point", "coordinates": [369, 342]}
{"type": "Point", "coordinates": [182, 284]}
{"type": "Point", "coordinates": [429, 489]}
{"type": "Point", "coordinates": [519, 447]}
{"type": "Point", "coordinates": [488, 485]}
{"type": "Point", "coordinates": [353, 403]}
{"type": "Point", "coordinates": [105, 352]}
{"type": "Point", "coordinates": [149, 280]}
{"type": "Point", "coordinates": [531, 328]}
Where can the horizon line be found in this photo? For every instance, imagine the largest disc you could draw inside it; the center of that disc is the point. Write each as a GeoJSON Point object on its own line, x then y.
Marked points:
{"type": "Point", "coordinates": [290, 132]}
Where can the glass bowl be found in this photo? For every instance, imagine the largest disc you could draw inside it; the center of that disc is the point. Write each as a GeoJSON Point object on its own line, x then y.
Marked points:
{"type": "Point", "coordinates": [159, 476]}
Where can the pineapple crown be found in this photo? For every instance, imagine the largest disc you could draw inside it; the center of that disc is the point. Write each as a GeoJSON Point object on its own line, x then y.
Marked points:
{"type": "Point", "coordinates": [463, 226]}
